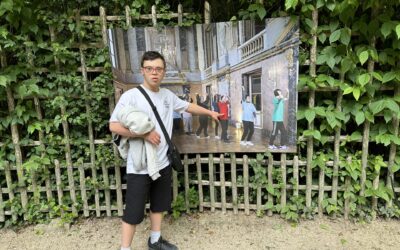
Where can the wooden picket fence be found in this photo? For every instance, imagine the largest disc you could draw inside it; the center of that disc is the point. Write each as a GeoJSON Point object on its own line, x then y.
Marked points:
{"type": "Point", "coordinates": [222, 181]}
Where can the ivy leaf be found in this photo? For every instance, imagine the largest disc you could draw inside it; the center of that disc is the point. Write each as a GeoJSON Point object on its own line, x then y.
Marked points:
{"type": "Point", "coordinates": [387, 77]}
{"type": "Point", "coordinates": [356, 136]}
{"type": "Point", "coordinates": [310, 115]}
{"type": "Point", "coordinates": [346, 64]}
{"type": "Point", "coordinates": [386, 28]}
{"type": "Point", "coordinates": [333, 25]}
{"type": "Point", "coordinates": [363, 57]}
{"type": "Point", "coordinates": [345, 36]}
{"type": "Point", "coordinates": [377, 76]}
{"type": "Point", "coordinates": [398, 31]}
{"type": "Point", "coordinates": [356, 93]}
{"type": "Point", "coordinates": [261, 12]}
{"type": "Point", "coordinates": [322, 37]}
{"type": "Point", "coordinates": [364, 79]}
{"type": "Point", "coordinates": [377, 106]}
{"type": "Point", "coordinates": [347, 90]}
{"type": "Point", "coordinates": [335, 36]}
{"type": "Point", "coordinates": [6, 5]}
{"type": "Point", "coordinates": [290, 4]}
{"type": "Point", "coordinates": [360, 117]}
{"type": "Point", "coordinates": [392, 105]}
{"type": "Point", "coordinates": [3, 81]}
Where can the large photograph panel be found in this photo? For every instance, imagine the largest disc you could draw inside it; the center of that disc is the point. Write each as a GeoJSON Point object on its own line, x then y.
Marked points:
{"type": "Point", "coordinates": [246, 70]}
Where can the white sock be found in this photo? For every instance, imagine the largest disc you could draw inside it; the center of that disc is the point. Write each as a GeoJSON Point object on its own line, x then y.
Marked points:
{"type": "Point", "coordinates": [154, 236]}
{"type": "Point", "coordinates": [126, 248]}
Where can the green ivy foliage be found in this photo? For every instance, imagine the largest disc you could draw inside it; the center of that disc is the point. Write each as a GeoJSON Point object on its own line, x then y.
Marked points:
{"type": "Point", "coordinates": [352, 36]}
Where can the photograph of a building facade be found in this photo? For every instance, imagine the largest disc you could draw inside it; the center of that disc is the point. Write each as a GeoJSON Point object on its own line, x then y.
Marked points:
{"type": "Point", "coordinates": [244, 69]}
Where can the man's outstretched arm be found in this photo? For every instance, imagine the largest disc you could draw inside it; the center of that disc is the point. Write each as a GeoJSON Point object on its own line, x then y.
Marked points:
{"type": "Point", "coordinates": [197, 110]}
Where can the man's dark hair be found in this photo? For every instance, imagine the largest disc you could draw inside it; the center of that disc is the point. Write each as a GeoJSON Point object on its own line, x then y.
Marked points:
{"type": "Point", "coordinates": [276, 92]}
{"type": "Point", "coordinates": [150, 56]}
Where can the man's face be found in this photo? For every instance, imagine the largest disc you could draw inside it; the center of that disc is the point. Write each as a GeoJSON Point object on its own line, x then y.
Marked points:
{"type": "Point", "coordinates": [153, 72]}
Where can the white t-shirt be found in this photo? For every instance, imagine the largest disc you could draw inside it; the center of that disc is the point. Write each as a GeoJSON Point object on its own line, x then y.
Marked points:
{"type": "Point", "coordinates": [166, 102]}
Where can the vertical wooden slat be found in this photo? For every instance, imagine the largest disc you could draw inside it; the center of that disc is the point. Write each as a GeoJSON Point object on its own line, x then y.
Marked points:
{"type": "Point", "coordinates": [106, 188]}
{"type": "Point", "coordinates": [186, 177]}
{"type": "Point", "coordinates": [83, 190]}
{"type": "Point", "coordinates": [375, 184]}
{"type": "Point", "coordinates": [347, 190]}
{"type": "Point", "coordinates": [259, 197]}
{"type": "Point", "coordinates": [36, 190]}
{"type": "Point", "coordinates": [86, 85]}
{"type": "Point", "coordinates": [367, 124]}
{"type": "Point", "coordinates": [154, 15]}
{"type": "Point", "coordinates": [128, 17]}
{"type": "Point", "coordinates": [18, 153]}
{"type": "Point", "coordinates": [207, 12]}
{"type": "Point", "coordinates": [71, 187]}
{"type": "Point", "coordinates": [211, 179]}
{"type": "Point", "coordinates": [49, 193]}
{"type": "Point", "coordinates": [270, 181]}
{"type": "Point", "coordinates": [222, 181]}
{"type": "Point", "coordinates": [111, 101]}
{"type": "Point", "coordinates": [15, 141]}
{"type": "Point", "coordinates": [246, 184]}
{"type": "Point", "coordinates": [175, 184]}
{"type": "Point", "coordinates": [180, 14]}
{"type": "Point", "coordinates": [11, 195]}
{"type": "Point", "coordinates": [311, 101]}
{"type": "Point", "coordinates": [2, 215]}
{"type": "Point", "coordinates": [347, 200]}
{"type": "Point", "coordinates": [234, 183]}
{"type": "Point", "coordinates": [58, 182]}
{"type": "Point", "coordinates": [67, 146]}
{"type": "Point", "coordinates": [296, 175]}
{"type": "Point", "coordinates": [283, 172]}
{"type": "Point", "coordinates": [200, 183]}
{"type": "Point", "coordinates": [336, 149]}
{"type": "Point", "coordinates": [321, 186]}
{"type": "Point", "coordinates": [393, 149]}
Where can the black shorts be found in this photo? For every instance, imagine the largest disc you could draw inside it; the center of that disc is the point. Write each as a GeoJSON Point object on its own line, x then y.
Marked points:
{"type": "Point", "coordinates": [139, 188]}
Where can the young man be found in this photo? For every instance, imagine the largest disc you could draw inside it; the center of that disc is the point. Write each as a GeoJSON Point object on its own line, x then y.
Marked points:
{"type": "Point", "coordinates": [248, 118]}
{"type": "Point", "coordinates": [139, 183]}
{"type": "Point", "coordinates": [277, 120]}
{"type": "Point", "coordinates": [223, 106]}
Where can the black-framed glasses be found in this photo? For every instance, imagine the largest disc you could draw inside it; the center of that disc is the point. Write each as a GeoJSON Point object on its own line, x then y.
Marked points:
{"type": "Point", "coordinates": [149, 69]}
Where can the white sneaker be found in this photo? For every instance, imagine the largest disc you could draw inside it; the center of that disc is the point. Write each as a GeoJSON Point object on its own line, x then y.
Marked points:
{"type": "Point", "coordinates": [217, 137]}
{"type": "Point", "coordinates": [197, 136]}
{"type": "Point", "coordinates": [250, 143]}
{"type": "Point", "coordinates": [283, 147]}
{"type": "Point", "coordinates": [243, 143]}
{"type": "Point", "coordinates": [207, 137]}
{"type": "Point", "coordinates": [272, 147]}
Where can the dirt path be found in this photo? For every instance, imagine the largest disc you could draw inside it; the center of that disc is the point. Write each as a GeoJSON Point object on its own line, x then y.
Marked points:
{"type": "Point", "coordinates": [213, 231]}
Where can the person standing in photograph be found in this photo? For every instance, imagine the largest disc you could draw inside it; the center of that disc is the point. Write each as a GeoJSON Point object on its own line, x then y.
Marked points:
{"type": "Point", "coordinates": [203, 119]}
{"type": "Point", "coordinates": [187, 119]}
{"type": "Point", "coordinates": [177, 122]}
{"type": "Point", "coordinates": [223, 106]}
{"type": "Point", "coordinates": [140, 185]}
{"type": "Point", "coordinates": [277, 120]}
{"type": "Point", "coordinates": [248, 117]}
{"type": "Point", "coordinates": [216, 109]}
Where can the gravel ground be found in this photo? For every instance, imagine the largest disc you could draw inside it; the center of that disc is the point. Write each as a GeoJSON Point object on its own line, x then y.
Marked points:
{"type": "Point", "coordinates": [212, 231]}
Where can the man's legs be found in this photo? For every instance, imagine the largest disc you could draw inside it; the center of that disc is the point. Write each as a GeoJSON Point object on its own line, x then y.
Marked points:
{"type": "Point", "coordinates": [128, 231]}
{"type": "Point", "coordinates": [156, 219]}
{"type": "Point", "coordinates": [135, 199]}
{"type": "Point", "coordinates": [245, 130]}
{"type": "Point", "coordinates": [251, 130]}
